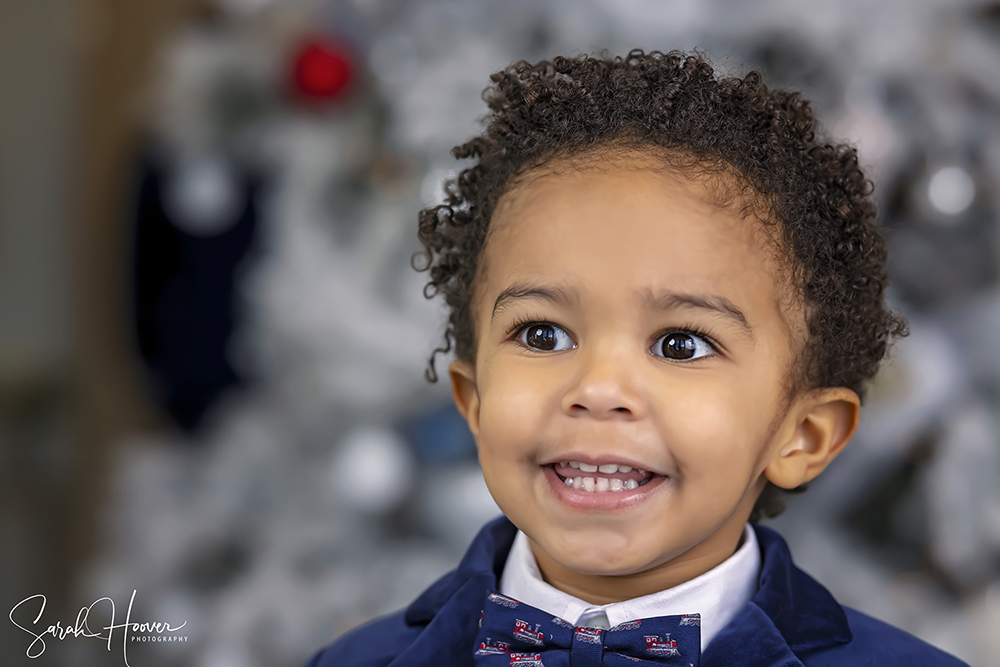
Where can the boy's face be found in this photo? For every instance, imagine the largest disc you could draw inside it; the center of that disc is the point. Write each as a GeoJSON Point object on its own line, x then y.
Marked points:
{"type": "Point", "coordinates": [620, 268]}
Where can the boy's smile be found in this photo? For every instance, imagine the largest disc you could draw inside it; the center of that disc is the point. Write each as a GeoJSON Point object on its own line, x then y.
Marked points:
{"type": "Point", "coordinates": [630, 387]}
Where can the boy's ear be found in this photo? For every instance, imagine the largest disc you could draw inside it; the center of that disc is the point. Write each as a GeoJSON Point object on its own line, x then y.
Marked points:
{"type": "Point", "coordinates": [463, 390]}
{"type": "Point", "coordinates": [825, 421]}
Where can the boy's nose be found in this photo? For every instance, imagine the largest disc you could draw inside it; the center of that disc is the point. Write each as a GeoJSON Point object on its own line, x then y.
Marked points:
{"type": "Point", "coordinates": [604, 388]}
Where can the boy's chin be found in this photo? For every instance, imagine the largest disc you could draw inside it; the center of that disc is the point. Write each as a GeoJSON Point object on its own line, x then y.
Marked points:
{"type": "Point", "coordinates": [606, 557]}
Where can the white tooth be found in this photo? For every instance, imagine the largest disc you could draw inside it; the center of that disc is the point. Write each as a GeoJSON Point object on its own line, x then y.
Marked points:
{"type": "Point", "coordinates": [631, 484]}
{"type": "Point", "coordinates": [578, 483]}
{"type": "Point", "coordinates": [624, 468]}
{"type": "Point", "coordinates": [569, 481]}
{"type": "Point", "coordinates": [640, 471]}
{"type": "Point", "coordinates": [574, 464]}
{"type": "Point", "coordinates": [608, 467]}
{"type": "Point", "coordinates": [563, 464]}
{"type": "Point", "coordinates": [589, 484]}
{"type": "Point", "coordinates": [586, 467]}
{"type": "Point", "coordinates": [617, 484]}
{"type": "Point", "coordinates": [602, 484]}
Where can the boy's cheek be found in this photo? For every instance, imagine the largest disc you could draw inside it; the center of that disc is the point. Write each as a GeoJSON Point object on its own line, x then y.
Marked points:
{"type": "Point", "coordinates": [714, 448]}
{"type": "Point", "coordinates": [510, 440]}
{"type": "Point", "coordinates": [512, 426]}
{"type": "Point", "coordinates": [510, 394]}
{"type": "Point", "coordinates": [725, 414]}
{"type": "Point", "coordinates": [709, 424]}
{"type": "Point", "coordinates": [719, 481]}
{"type": "Point", "coordinates": [502, 485]}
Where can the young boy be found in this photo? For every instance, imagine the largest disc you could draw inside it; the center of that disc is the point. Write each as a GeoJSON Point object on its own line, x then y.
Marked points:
{"type": "Point", "coordinates": [666, 297]}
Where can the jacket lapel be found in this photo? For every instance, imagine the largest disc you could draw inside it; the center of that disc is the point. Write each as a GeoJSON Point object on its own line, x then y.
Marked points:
{"type": "Point", "coordinates": [749, 639]}
{"type": "Point", "coordinates": [451, 607]}
{"type": "Point", "coordinates": [802, 610]}
{"type": "Point", "coordinates": [791, 614]}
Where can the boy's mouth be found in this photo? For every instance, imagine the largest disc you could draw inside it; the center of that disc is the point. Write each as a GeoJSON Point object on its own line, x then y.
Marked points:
{"type": "Point", "coordinates": [605, 478]}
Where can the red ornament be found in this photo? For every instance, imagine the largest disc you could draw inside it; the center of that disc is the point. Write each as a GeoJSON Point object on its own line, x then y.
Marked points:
{"type": "Point", "coordinates": [322, 70]}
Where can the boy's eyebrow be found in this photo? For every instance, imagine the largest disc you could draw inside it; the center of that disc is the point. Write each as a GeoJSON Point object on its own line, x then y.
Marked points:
{"type": "Point", "coordinates": [716, 303]}
{"type": "Point", "coordinates": [560, 295]}
{"type": "Point", "coordinates": [658, 301]}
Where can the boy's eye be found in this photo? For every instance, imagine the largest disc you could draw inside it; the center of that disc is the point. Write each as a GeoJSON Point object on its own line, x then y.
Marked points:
{"type": "Point", "coordinates": [682, 346]}
{"type": "Point", "coordinates": [547, 337]}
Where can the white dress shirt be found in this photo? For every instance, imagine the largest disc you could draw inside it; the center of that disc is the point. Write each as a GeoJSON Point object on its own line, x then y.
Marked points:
{"type": "Point", "coordinates": [718, 595]}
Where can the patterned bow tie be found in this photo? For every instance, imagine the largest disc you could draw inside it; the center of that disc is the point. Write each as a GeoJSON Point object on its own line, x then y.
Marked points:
{"type": "Point", "coordinates": [513, 633]}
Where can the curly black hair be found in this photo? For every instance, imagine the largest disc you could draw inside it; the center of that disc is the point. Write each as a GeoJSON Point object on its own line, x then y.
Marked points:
{"type": "Point", "coordinates": [812, 191]}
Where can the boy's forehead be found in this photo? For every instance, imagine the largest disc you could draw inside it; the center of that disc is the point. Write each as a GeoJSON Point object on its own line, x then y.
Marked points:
{"type": "Point", "coordinates": [554, 187]}
{"type": "Point", "coordinates": [715, 179]}
{"type": "Point", "coordinates": [560, 208]}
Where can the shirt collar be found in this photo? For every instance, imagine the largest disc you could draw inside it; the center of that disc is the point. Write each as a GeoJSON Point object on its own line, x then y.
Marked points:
{"type": "Point", "coordinates": [718, 595]}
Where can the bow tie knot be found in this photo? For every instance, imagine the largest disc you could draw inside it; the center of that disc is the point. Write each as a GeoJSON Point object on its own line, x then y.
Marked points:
{"type": "Point", "coordinates": [514, 633]}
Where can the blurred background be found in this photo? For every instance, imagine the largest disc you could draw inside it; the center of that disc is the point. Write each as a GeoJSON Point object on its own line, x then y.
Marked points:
{"type": "Point", "coordinates": [212, 345]}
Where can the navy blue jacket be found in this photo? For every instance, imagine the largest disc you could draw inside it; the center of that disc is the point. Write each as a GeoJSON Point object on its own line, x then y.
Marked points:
{"type": "Point", "coordinates": [792, 620]}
